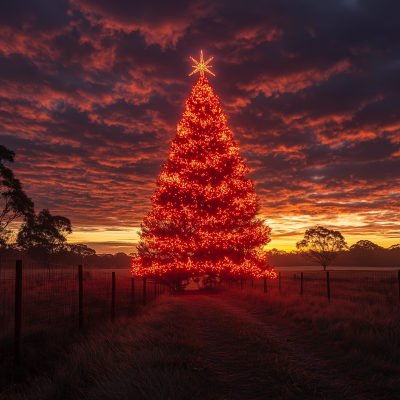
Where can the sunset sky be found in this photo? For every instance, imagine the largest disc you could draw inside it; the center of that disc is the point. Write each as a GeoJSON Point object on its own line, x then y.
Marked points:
{"type": "Point", "coordinates": [91, 92]}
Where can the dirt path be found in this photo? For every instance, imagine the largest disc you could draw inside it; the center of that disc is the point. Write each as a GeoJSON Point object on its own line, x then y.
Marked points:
{"type": "Point", "coordinates": [235, 380]}
{"type": "Point", "coordinates": [256, 359]}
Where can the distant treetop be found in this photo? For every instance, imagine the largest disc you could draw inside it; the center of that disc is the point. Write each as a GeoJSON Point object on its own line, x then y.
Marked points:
{"type": "Point", "coordinates": [365, 245]}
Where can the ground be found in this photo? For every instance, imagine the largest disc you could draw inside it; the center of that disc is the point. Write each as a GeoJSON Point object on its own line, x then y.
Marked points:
{"type": "Point", "coordinates": [198, 345]}
{"type": "Point", "coordinates": [258, 356]}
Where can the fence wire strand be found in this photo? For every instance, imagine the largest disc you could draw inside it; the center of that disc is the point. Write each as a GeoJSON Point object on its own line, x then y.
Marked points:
{"type": "Point", "coordinates": [50, 301]}
{"type": "Point", "coordinates": [358, 286]}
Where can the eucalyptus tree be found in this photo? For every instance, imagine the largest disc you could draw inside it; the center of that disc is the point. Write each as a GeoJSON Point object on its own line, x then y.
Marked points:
{"type": "Point", "coordinates": [321, 245]}
{"type": "Point", "coordinates": [14, 201]}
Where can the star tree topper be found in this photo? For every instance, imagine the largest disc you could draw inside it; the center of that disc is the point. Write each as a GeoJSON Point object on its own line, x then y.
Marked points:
{"type": "Point", "coordinates": [201, 66]}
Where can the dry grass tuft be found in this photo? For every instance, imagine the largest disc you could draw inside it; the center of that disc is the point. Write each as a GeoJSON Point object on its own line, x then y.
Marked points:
{"type": "Point", "coordinates": [249, 363]}
{"type": "Point", "coordinates": [363, 336]}
{"type": "Point", "coordinates": [151, 356]}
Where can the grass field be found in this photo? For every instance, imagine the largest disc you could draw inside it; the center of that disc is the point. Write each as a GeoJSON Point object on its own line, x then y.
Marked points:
{"type": "Point", "coordinates": [128, 359]}
{"type": "Point", "coordinates": [231, 345]}
{"type": "Point", "coordinates": [50, 301]}
{"type": "Point", "coordinates": [360, 331]}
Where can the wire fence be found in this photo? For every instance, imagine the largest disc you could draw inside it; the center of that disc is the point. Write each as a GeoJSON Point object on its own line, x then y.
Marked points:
{"type": "Point", "coordinates": [371, 286]}
{"type": "Point", "coordinates": [55, 299]}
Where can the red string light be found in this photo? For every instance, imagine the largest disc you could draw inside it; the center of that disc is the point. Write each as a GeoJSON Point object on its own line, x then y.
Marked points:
{"type": "Point", "coordinates": [203, 219]}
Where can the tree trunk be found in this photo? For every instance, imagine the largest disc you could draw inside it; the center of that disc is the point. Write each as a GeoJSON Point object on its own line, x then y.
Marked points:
{"type": "Point", "coordinates": [178, 286]}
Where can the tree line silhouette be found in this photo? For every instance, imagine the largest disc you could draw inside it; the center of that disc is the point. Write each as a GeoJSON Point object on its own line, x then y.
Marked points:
{"type": "Point", "coordinates": [324, 247]}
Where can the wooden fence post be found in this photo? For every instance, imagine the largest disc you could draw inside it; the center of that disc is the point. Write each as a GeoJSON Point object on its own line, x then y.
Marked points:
{"type": "Point", "coordinates": [155, 290]}
{"type": "Point", "coordinates": [133, 292]}
{"type": "Point", "coordinates": [113, 298]}
{"type": "Point", "coordinates": [18, 313]}
{"type": "Point", "coordinates": [398, 277]}
{"type": "Point", "coordinates": [252, 283]}
{"type": "Point", "coordinates": [144, 290]}
{"type": "Point", "coordinates": [301, 289]}
{"type": "Point", "coordinates": [265, 284]}
{"type": "Point", "coordinates": [279, 277]}
{"type": "Point", "coordinates": [80, 278]}
{"type": "Point", "coordinates": [329, 286]}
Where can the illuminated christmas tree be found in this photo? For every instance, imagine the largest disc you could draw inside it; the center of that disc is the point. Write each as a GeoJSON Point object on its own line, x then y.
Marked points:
{"type": "Point", "coordinates": [203, 219]}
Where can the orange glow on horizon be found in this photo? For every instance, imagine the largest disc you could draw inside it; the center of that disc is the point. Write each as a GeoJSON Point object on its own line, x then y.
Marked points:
{"type": "Point", "coordinates": [106, 239]}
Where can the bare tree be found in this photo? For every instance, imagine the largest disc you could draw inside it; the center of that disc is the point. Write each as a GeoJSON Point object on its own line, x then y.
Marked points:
{"type": "Point", "coordinates": [321, 245]}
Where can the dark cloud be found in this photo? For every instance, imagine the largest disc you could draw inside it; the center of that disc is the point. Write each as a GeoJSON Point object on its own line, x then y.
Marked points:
{"type": "Point", "coordinates": [45, 15]}
{"type": "Point", "coordinates": [91, 91]}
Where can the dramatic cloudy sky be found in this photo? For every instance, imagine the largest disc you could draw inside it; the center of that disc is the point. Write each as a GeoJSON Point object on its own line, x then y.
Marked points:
{"type": "Point", "coordinates": [91, 92]}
